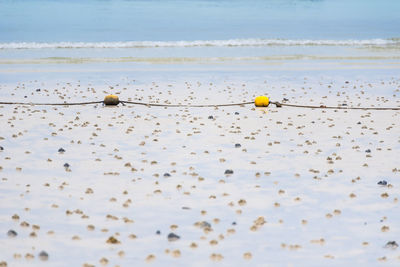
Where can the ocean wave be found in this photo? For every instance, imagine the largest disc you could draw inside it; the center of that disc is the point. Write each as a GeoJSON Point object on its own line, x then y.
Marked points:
{"type": "Point", "coordinates": [214, 43]}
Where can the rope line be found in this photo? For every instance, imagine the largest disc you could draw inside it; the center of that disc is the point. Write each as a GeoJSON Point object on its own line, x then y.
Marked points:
{"type": "Point", "coordinates": [276, 103]}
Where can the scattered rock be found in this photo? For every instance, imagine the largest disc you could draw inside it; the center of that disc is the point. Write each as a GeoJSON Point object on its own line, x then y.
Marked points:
{"type": "Point", "coordinates": [158, 232]}
{"type": "Point", "coordinates": [227, 172]}
{"type": "Point", "coordinates": [238, 145]}
{"type": "Point", "coordinates": [3, 264]}
{"type": "Point", "coordinates": [392, 244]}
{"type": "Point", "coordinates": [236, 113]}
{"type": "Point", "coordinates": [210, 117]}
{"type": "Point", "coordinates": [113, 240]}
{"type": "Point", "coordinates": [1, 148]}
{"type": "Point", "coordinates": [368, 151]}
{"type": "Point", "coordinates": [173, 237]}
{"type": "Point", "coordinates": [11, 233]}
{"type": "Point", "coordinates": [61, 150]}
{"type": "Point", "coordinates": [43, 255]}
{"type": "Point", "coordinates": [167, 174]}
{"type": "Point", "coordinates": [66, 165]}
{"type": "Point", "coordinates": [383, 183]}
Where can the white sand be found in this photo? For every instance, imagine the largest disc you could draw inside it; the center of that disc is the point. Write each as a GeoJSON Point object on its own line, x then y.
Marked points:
{"type": "Point", "coordinates": [305, 172]}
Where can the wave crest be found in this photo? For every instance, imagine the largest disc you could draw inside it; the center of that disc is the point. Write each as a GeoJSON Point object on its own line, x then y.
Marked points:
{"type": "Point", "coordinates": [215, 43]}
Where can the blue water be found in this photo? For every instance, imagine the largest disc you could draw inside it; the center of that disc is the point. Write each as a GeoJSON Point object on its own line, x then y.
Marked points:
{"type": "Point", "coordinates": [173, 20]}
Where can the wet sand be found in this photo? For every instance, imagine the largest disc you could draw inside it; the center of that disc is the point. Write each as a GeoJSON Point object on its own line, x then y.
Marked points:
{"type": "Point", "coordinates": [233, 186]}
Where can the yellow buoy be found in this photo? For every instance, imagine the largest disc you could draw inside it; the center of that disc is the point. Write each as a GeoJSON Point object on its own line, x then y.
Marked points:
{"type": "Point", "coordinates": [111, 100]}
{"type": "Point", "coordinates": [261, 101]}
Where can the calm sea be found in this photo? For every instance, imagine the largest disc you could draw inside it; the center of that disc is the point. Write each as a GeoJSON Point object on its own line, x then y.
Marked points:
{"type": "Point", "coordinates": [209, 21]}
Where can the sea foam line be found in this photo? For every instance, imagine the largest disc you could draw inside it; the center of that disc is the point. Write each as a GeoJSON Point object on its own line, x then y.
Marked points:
{"type": "Point", "coordinates": [216, 43]}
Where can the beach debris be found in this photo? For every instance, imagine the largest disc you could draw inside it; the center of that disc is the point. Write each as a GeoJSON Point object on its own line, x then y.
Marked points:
{"type": "Point", "coordinates": [383, 183]}
{"type": "Point", "coordinates": [228, 172]}
{"type": "Point", "coordinates": [173, 237]}
{"type": "Point", "coordinates": [11, 233]}
{"type": "Point", "coordinates": [61, 150]}
{"type": "Point", "coordinates": [43, 255]}
{"type": "Point", "coordinates": [113, 240]}
{"type": "Point", "coordinates": [392, 245]}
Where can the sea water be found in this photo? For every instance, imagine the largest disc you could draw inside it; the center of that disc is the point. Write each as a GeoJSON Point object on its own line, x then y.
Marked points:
{"type": "Point", "coordinates": [58, 33]}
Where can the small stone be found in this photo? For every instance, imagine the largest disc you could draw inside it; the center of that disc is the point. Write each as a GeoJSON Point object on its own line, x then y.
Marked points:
{"type": "Point", "coordinates": [368, 151]}
{"type": "Point", "coordinates": [158, 232]}
{"type": "Point", "coordinates": [236, 113]}
{"type": "Point", "coordinates": [12, 233]}
{"type": "Point", "coordinates": [167, 174]}
{"type": "Point", "coordinates": [205, 224]}
{"type": "Point", "coordinates": [392, 244]}
{"type": "Point", "coordinates": [173, 237]}
{"type": "Point", "coordinates": [233, 223]}
{"type": "Point", "coordinates": [113, 240]}
{"type": "Point", "coordinates": [38, 90]}
{"type": "Point", "coordinates": [43, 255]}
{"type": "Point", "coordinates": [3, 264]}
{"type": "Point", "coordinates": [238, 145]}
{"type": "Point", "coordinates": [210, 117]}
{"type": "Point", "coordinates": [383, 183]}
{"type": "Point", "coordinates": [66, 165]}
{"type": "Point", "coordinates": [1, 148]}
{"type": "Point", "coordinates": [227, 172]}
{"type": "Point", "coordinates": [61, 150]}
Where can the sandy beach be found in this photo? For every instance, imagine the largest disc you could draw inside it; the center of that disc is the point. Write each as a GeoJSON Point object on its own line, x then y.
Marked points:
{"type": "Point", "coordinates": [229, 186]}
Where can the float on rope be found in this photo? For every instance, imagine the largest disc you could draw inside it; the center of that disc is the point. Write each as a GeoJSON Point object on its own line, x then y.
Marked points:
{"type": "Point", "coordinates": [111, 100]}
{"type": "Point", "coordinates": [261, 101]}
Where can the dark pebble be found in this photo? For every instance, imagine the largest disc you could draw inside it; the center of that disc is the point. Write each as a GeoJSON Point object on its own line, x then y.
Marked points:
{"type": "Point", "coordinates": [12, 233]}
{"type": "Point", "coordinates": [236, 113]}
{"type": "Point", "coordinates": [210, 117]}
{"type": "Point", "coordinates": [61, 150]}
{"type": "Point", "coordinates": [173, 237]}
{"type": "Point", "coordinates": [25, 96]}
{"type": "Point", "coordinates": [368, 151]}
{"type": "Point", "coordinates": [233, 223]}
{"type": "Point", "coordinates": [238, 145]}
{"type": "Point", "coordinates": [344, 104]}
{"type": "Point", "coordinates": [167, 174]}
{"type": "Point", "coordinates": [359, 122]}
{"type": "Point", "coordinates": [391, 244]}
{"type": "Point", "coordinates": [205, 224]}
{"type": "Point", "coordinates": [43, 255]}
{"type": "Point", "coordinates": [313, 122]}
{"type": "Point", "coordinates": [285, 99]}
{"type": "Point", "coordinates": [158, 232]}
{"type": "Point", "coordinates": [1, 148]}
{"type": "Point", "coordinates": [228, 171]}
{"type": "Point", "coordinates": [37, 90]}
{"type": "Point", "coordinates": [66, 165]}
{"type": "Point", "coordinates": [383, 182]}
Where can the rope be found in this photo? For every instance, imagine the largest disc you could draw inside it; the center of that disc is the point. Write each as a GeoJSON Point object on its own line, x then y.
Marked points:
{"type": "Point", "coordinates": [187, 105]}
{"type": "Point", "coordinates": [51, 104]}
{"type": "Point", "coordinates": [277, 104]}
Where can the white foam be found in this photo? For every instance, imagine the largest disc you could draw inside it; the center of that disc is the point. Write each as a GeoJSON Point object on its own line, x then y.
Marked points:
{"type": "Point", "coordinates": [199, 43]}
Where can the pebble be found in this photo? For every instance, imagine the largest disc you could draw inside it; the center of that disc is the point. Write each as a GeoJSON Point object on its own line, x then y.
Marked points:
{"type": "Point", "coordinates": [228, 171]}
{"type": "Point", "coordinates": [391, 244]}
{"type": "Point", "coordinates": [1, 148]}
{"type": "Point", "coordinates": [167, 174]}
{"type": "Point", "coordinates": [210, 117]}
{"type": "Point", "coordinates": [368, 151]}
{"type": "Point", "coordinates": [173, 237]}
{"type": "Point", "coordinates": [61, 150]}
{"type": "Point", "coordinates": [383, 182]}
{"type": "Point", "coordinates": [236, 113]}
{"type": "Point", "coordinates": [238, 145]}
{"type": "Point", "coordinates": [158, 232]}
{"type": "Point", "coordinates": [66, 165]}
{"type": "Point", "coordinates": [12, 233]}
{"type": "Point", "coordinates": [43, 255]}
